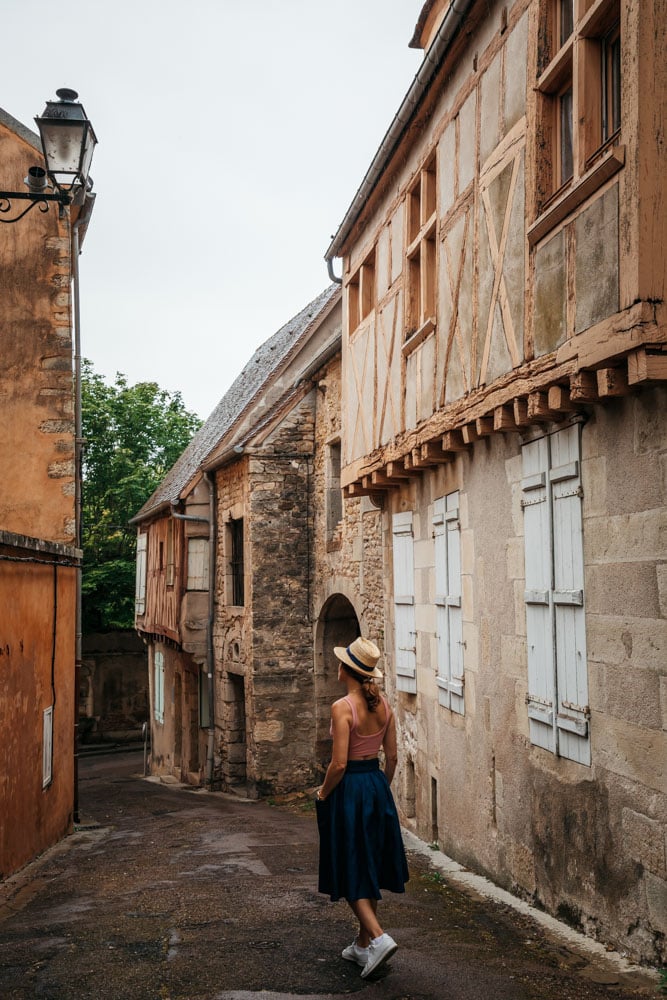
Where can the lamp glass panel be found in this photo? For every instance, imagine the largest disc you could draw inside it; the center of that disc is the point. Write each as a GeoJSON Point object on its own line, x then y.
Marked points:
{"type": "Point", "coordinates": [62, 146]}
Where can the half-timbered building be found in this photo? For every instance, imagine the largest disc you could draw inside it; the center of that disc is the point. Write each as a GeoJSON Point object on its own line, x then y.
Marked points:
{"type": "Point", "coordinates": [247, 562]}
{"type": "Point", "coordinates": [504, 363]}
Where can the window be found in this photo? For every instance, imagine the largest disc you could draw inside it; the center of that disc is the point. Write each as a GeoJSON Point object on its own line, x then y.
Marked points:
{"type": "Point", "coordinates": [361, 293]}
{"type": "Point", "coordinates": [580, 87]}
{"type": "Point", "coordinates": [140, 586]}
{"type": "Point", "coordinates": [235, 562]}
{"type": "Point", "coordinates": [158, 686]}
{"type": "Point", "coordinates": [557, 698]}
{"type": "Point", "coordinates": [405, 634]}
{"type": "Point", "coordinates": [47, 746]}
{"type": "Point", "coordinates": [334, 494]}
{"type": "Point", "coordinates": [449, 625]}
{"type": "Point", "coordinates": [171, 567]}
{"type": "Point", "coordinates": [198, 559]}
{"type": "Point", "coordinates": [421, 249]}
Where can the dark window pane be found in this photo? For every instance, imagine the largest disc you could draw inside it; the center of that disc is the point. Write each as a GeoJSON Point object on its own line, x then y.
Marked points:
{"type": "Point", "coordinates": [566, 155]}
{"type": "Point", "coordinates": [566, 20]}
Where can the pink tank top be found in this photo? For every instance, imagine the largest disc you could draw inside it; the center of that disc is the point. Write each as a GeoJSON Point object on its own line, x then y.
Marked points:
{"type": "Point", "coordinates": [365, 746]}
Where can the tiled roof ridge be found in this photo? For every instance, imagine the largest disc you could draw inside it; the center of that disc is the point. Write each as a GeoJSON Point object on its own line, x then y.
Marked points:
{"type": "Point", "coordinates": [264, 363]}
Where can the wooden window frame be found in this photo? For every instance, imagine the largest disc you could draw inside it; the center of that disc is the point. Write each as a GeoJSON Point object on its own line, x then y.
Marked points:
{"type": "Point", "coordinates": [421, 250]}
{"type": "Point", "coordinates": [361, 292]}
{"type": "Point", "coordinates": [579, 62]}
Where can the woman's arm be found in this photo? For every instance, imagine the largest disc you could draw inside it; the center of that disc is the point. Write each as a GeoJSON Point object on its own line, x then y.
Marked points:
{"type": "Point", "coordinates": [390, 748]}
{"type": "Point", "coordinates": [341, 716]}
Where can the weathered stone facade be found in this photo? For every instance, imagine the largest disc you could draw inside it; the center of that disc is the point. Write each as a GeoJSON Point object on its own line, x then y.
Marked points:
{"type": "Point", "coordinates": [504, 360]}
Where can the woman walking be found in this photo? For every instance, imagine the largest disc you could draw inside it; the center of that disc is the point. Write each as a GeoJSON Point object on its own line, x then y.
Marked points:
{"type": "Point", "coordinates": [361, 850]}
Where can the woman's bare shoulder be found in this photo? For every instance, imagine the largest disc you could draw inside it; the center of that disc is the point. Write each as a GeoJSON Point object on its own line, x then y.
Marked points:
{"type": "Point", "coordinates": [341, 707]}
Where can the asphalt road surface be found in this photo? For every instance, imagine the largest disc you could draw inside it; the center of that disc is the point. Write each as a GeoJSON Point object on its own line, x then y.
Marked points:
{"type": "Point", "coordinates": [170, 893]}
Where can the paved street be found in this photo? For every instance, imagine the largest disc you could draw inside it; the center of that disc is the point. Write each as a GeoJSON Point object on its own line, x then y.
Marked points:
{"type": "Point", "coordinates": [168, 893]}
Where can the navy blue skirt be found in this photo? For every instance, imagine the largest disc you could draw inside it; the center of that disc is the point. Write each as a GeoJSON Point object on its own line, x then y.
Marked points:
{"type": "Point", "coordinates": [361, 848]}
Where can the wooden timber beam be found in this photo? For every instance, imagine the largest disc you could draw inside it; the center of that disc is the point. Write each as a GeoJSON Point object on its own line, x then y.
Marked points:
{"type": "Point", "coordinates": [380, 481]}
{"type": "Point", "coordinates": [409, 463]}
{"type": "Point", "coordinates": [484, 426]}
{"type": "Point", "coordinates": [434, 453]}
{"type": "Point", "coordinates": [470, 434]}
{"type": "Point", "coordinates": [396, 470]}
{"type": "Point", "coordinates": [584, 387]}
{"type": "Point", "coordinates": [538, 408]}
{"type": "Point", "coordinates": [520, 407]}
{"type": "Point", "coordinates": [503, 419]}
{"type": "Point", "coordinates": [453, 441]}
{"type": "Point", "coordinates": [558, 400]}
{"type": "Point", "coordinates": [646, 365]}
{"type": "Point", "coordinates": [355, 490]}
{"type": "Point", "coordinates": [612, 382]}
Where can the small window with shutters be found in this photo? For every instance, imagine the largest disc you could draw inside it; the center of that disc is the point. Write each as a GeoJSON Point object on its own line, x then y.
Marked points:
{"type": "Point", "coordinates": [140, 586]}
{"type": "Point", "coordinates": [47, 747]}
{"type": "Point", "coordinates": [198, 558]}
{"type": "Point", "coordinates": [405, 635]}
{"type": "Point", "coordinates": [158, 686]}
{"type": "Point", "coordinates": [449, 624]}
{"type": "Point", "coordinates": [557, 697]}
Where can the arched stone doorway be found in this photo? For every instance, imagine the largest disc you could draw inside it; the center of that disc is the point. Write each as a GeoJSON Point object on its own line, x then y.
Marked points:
{"type": "Point", "coordinates": [338, 625]}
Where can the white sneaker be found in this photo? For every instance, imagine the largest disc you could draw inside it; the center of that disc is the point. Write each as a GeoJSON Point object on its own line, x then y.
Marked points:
{"type": "Point", "coordinates": [379, 950]}
{"type": "Point", "coordinates": [353, 953]}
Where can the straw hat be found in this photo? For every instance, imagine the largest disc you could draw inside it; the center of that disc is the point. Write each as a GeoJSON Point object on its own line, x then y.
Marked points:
{"type": "Point", "coordinates": [361, 656]}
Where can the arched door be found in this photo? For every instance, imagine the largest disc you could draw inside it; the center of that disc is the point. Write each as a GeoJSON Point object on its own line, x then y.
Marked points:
{"type": "Point", "coordinates": [338, 625]}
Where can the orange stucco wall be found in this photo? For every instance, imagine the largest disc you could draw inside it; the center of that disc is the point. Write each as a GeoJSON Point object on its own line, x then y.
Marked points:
{"type": "Point", "coordinates": [36, 671]}
{"type": "Point", "coordinates": [36, 384]}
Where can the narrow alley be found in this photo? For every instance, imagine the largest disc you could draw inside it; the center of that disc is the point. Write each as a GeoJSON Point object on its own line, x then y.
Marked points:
{"type": "Point", "coordinates": [171, 893]}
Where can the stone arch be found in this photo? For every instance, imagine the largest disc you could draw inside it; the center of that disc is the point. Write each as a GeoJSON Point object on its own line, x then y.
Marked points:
{"type": "Point", "coordinates": [337, 625]}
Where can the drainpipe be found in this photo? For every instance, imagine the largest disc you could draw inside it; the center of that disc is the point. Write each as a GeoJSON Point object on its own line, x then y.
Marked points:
{"type": "Point", "coordinates": [210, 656]}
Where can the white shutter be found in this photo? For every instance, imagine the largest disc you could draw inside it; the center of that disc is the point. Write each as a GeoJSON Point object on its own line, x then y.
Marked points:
{"type": "Point", "coordinates": [140, 586]}
{"type": "Point", "coordinates": [47, 746]}
{"type": "Point", "coordinates": [158, 687]}
{"type": "Point", "coordinates": [568, 597]}
{"type": "Point", "coordinates": [557, 697]}
{"type": "Point", "coordinates": [404, 603]}
{"type": "Point", "coordinates": [449, 624]}
{"type": "Point", "coordinates": [539, 626]}
{"type": "Point", "coordinates": [198, 559]}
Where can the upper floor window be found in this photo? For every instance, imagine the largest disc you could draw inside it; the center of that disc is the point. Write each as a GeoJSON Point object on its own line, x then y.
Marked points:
{"type": "Point", "coordinates": [334, 494]}
{"type": "Point", "coordinates": [235, 570]}
{"type": "Point", "coordinates": [580, 87]}
{"type": "Point", "coordinates": [421, 249]}
{"type": "Point", "coordinates": [198, 560]}
{"type": "Point", "coordinates": [140, 586]}
{"type": "Point", "coordinates": [361, 292]}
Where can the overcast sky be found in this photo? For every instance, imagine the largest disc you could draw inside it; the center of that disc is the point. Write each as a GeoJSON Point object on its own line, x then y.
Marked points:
{"type": "Point", "coordinates": [233, 136]}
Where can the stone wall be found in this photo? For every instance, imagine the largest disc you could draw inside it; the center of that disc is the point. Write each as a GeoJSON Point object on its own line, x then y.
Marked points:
{"type": "Point", "coordinates": [587, 843]}
{"type": "Point", "coordinates": [113, 688]}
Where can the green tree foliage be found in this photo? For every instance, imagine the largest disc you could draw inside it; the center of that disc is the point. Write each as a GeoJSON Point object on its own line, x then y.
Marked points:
{"type": "Point", "coordinates": [133, 435]}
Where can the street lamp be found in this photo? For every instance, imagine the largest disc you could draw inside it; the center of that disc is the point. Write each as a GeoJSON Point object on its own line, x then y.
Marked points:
{"type": "Point", "coordinates": [68, 142]}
